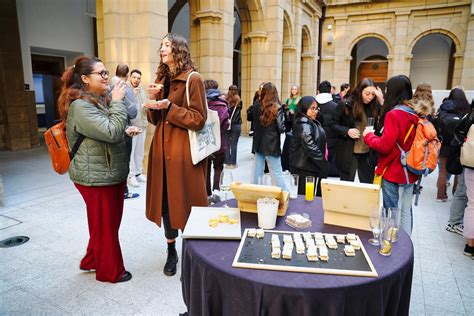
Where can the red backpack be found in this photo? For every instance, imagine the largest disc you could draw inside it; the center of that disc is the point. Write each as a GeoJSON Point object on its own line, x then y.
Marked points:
{"type": "Point", "coordinates": [58, 147]}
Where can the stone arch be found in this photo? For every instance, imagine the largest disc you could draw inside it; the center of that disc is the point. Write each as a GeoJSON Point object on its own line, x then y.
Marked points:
{"type": "Point", "coordinates": [369, 60]}
{"type": "Point", "coordinates": [456, 62]}
{"type": "Point", "coordinates": [356, 40]}
{"type": "Point", "coordinates": [307, 62]}
{"type": "Point", "coordinates": [413, 39]}
{"type": "Point", "coordinates": [306, 40]}
{"type": "Point", "coordinates": [288, 56]}
{"type": "Point", "coordinates": [253, 37]}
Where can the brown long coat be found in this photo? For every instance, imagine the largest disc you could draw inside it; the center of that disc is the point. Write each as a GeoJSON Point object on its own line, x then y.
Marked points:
{"type": "Point", "coordinates": [185, 182]}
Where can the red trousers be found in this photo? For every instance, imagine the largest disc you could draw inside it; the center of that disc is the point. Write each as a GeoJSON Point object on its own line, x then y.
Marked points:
{"type": "Point", "coordinates": [104, 214]}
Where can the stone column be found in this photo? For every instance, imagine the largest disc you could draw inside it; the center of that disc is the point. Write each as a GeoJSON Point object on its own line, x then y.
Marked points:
{"type": "Point", "coordinates": [457, 69]}
{"type": "Point", "coordinates": [400, 65]}
{"type": "Point", "coordinates": [467, 77]}
{"type": "Point", "coordinates": [215, 33]}
{"type": "Point", "coordinates": [288, 70]}
{"type": "Point", "coordinates": [130, 32]}
{"type": "Point", "coordinates": [308, 71]}
{"type": "Point", "coordinates": [253, 68]}
{"type": "Point", "coordinates": [342, 58]}
{"type": "Point", "coordinates": [18, 122]}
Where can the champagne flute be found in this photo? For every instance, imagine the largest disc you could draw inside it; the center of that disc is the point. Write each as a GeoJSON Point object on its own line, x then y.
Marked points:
{"type": "Point", "coordinates": [374, 222]}
{"type": "Point", "coordinates": [224, 183]}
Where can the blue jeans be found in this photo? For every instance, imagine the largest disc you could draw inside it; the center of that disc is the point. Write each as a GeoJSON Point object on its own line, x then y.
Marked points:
{"type": "Point", "coordinates": [274, 164]}
{"type": "Point", "coordinates": [401, 196]}
{"type": "Point", "coordinates": [232, 137]}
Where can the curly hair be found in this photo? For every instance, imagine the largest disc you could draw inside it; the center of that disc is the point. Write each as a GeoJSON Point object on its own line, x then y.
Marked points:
{"type": "Point", "coordinates": [270, 102]}
{"type": "Point", "coordinates": [422, 101]}
{"type": "Point", "coordinates": [181, 57]}
{"type": "Point", "coordinates": [73, 87]}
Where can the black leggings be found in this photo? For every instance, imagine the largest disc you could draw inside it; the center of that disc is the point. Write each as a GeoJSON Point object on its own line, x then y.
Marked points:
{"type": "Point", "coordinates": [170, 233]}
{"type": "Point", "coordinates": [361, 164]}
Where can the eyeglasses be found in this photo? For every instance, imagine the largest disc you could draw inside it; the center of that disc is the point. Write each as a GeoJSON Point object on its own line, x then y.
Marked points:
{"type": "Point", "coordinates": [104, 73]}
{"type": "Point", "coordinates": [314, 109]}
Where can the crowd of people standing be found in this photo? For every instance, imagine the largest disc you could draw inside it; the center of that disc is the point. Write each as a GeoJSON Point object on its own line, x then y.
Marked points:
{"type": "Point", "coordinates": [360, 131]}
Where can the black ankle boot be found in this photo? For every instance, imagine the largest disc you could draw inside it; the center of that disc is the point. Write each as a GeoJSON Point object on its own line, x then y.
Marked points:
{"type": "Point", "coordinates": [171, 261]}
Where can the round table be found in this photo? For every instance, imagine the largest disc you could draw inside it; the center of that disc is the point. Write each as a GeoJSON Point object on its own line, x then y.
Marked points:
{"type": "Point", "coordinates": [211, 286]}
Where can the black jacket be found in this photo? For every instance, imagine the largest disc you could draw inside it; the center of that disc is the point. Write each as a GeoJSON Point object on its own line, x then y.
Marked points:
{"type": "Point", "coordinates": [327, 111]}
{"type": "Point", "coordinates": [461, 131]}
{"type": "Point", "coordinates": [446, 124]}
{"type": "Point", "coordinates": [308, 147]}
{"type": "Point", "coordinates": [343, 120]}
{"type": "Point", "coordinates": [237, 117]}
{"type": "Point", "coordinates": [266, 140]}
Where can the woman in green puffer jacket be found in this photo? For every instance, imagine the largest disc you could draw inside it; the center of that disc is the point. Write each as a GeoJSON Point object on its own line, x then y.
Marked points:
{"type": "Point", "coordinates": [100, 167]}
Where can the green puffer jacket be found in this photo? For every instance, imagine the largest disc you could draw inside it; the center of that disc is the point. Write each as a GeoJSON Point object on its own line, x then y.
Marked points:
{"type": "Point", "coordinates": [102, 158]}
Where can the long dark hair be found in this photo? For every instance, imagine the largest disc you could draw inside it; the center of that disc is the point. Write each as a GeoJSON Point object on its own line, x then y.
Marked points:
{"type": "Point", "coordinates": [358, 106]}
{"type": "Point", "coordinates": [398, 91]}
{"type": "Point", "coordinates": [303, 105]}
{"type": "Point", "coordinates": [73, 87]}
{"type": "Point", "coordinates": [181, 57]}
{"type": "Point", "coordinates": [458, 97]}
{"type": "Point", "coordinates": [270, 102]}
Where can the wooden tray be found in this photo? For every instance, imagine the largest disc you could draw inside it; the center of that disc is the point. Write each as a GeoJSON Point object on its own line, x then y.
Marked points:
{"type": "Point", "coordinates": [247, 195]}
{"type": "Point", "coordinates": [254, 253]}
{"type": "Point", "coordinates": [197, 226]}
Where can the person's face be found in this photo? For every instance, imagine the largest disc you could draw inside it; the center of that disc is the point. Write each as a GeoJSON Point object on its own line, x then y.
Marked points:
{"type": "Point", "coordinates": [97, 80]}
{"type": "Point", "coordinates": [135, 79]}
{"type": "Point", "coordinates": [333, 90]}
{"type": "Point", "coordinates": [166, 52]}
{"type": "Point", "coordinates": [294, 90]}
{"type": "Point", "coordinates": [312, 112]}
{"type": "Point", "coordinates": [368, 95]}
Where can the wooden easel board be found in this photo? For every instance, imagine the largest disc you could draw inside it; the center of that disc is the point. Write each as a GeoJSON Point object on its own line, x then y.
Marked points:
{"type": "Point", "coordinates": [255, 253]}
{"type": "Point", "coordinates": [349, 204]}
{"type": "Point", "coordinates": [247, 195]}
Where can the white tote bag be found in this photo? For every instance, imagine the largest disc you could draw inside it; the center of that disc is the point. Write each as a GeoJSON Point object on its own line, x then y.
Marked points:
{"type": "Point", "coordinates": [467, 149]}
{"type": "Point", "coordinates": [208, 140]}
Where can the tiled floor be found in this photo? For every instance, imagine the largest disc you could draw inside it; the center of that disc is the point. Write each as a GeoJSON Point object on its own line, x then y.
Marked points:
{"type": "Point", "coordinates": [42, 276]}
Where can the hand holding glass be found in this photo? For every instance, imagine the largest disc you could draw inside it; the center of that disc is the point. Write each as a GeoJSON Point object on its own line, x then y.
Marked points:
{"type": "Point", "coordinates": [224, 183]}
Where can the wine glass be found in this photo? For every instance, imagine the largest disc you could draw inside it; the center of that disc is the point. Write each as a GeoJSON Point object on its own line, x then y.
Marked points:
{"type": "Point", "coordinates": [374, 222]}
{"type": "Point", "coordinates": [224, 183]}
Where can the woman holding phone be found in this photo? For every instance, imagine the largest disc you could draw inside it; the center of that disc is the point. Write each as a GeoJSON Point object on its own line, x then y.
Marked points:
{"type": "Point", "coordinates": [174, 184]}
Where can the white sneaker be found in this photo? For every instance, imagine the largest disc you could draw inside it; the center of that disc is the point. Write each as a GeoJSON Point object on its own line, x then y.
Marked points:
{"type": "Point", "coordinates": [141, 178]}
{"type": "Point", "coordinates": [132, 181]}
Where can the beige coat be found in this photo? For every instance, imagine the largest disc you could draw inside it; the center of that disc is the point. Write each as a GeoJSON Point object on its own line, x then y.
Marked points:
{"type": "Point", "coordinates": [185, 183]}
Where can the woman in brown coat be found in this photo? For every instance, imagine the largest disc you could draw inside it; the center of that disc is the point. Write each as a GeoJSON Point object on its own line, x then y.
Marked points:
{"type": "Point", "coordinates": [174, 184]}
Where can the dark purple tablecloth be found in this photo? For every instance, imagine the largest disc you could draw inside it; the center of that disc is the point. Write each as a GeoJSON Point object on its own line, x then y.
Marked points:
{"type": "Point", "coordinates": [211, 286]}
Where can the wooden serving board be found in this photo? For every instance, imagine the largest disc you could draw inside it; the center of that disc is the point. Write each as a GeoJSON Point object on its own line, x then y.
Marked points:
{"type": "Point", "coordinates": [254, 253]}
{"type": "Point", "coordinates": [247, 195]}
{"type": "Point", "coordinates": [198, 227]}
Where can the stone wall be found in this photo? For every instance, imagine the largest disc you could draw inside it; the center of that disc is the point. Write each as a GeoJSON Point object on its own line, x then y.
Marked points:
{"type": "Point", "coordinates": [18, 125]}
